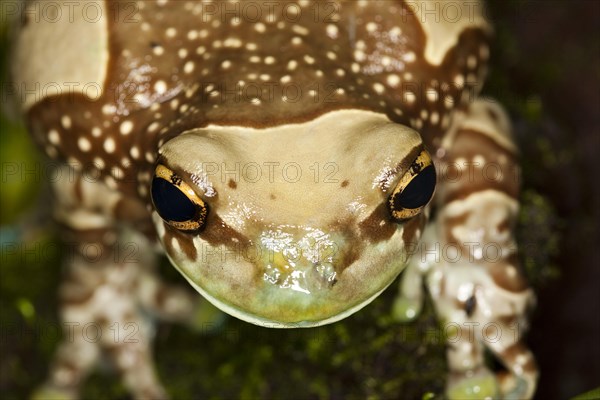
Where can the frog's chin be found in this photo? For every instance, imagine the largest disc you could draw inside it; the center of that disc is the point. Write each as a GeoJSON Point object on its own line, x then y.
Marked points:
{"type": "Point", "coordinates": [268, 323]}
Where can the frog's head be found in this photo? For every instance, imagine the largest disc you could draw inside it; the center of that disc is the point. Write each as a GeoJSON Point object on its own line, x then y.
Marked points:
{"type": "Point", "coordinates": [297, 225]}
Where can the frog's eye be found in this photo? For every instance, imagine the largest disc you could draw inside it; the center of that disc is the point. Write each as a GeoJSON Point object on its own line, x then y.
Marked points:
{"type": "Point", "coordinates": [414, 190]}
{"type": "Point", "coordinates": [176, 202]}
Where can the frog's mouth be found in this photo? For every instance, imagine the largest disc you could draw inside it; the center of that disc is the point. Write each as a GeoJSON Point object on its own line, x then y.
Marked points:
{"type": "Point", "coordinates": [313, 238]}
{"type": "Point", "coordinates": [290, 276]}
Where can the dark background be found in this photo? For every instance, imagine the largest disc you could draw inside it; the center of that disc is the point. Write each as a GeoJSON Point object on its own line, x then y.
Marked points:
{"type": "Point", "coordinates": [545, 70]}
{"type": "Point", "coordinates": [547, 59]}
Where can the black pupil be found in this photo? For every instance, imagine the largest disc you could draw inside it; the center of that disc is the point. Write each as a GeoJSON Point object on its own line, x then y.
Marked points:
{"type": "Point", "coordinates": [419, 190]}
{"type": "Point", "coordinates": [170, 202]}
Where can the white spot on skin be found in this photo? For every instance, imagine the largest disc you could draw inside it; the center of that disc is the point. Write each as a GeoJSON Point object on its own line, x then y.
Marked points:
{"type": "Point", "coordinates": [54, 137]}
{"type": "Point", "coordinates": [158, 50]}
{"type": "Point", "coordinates": [459, 80]}
{"type": "Point", "coordinates": [300, 30]}
{"type": "Point", "coordinates": [160, 87]}
{"type": "Point", "coordinates": [286, 79]}
{"type": "Point", "coordinates": [292, 65]}
{"type": "Point", "coordinates": [359, 55]}
{"type": "Point", "coordinates": [192, 35]}
{"type": "Point", "coordinates": [109, 145]}
{"type": "Point", "coordinates": [309, 60]}
{"type": "Point", "coordinates": [410, 97]}
{"type": "Point", "coordinates": [269, 60]}
{"type": "Point", "coordinates": [332, 31]}
{"type": "Point", "coordinates": [409, 57]}
{"type": "Point", "coordinates": [171, 32]}
{"type": "Point", "coordinates": [226, 64]}
{"type": "Point", "coordinates": [99, 163]}
{"type": "Point", "coordinates": [117, 172]}
{"type": "Point", "coordinates": [134, 152]}
{"type": "Point", "coordinates": [126, 127]}
{"type": "Point", "coordinates": [182, 53]}
{"type": "Point", "coordinates": [96, 132]}
{"type": "Point", "coordinates": [255, 101]}
{"type": "Point", "coordinates": [379, 88]}
{"type": "Point", "coordinates": [188, 68]}
{"type": "Point", "coordinates": [431, 95]}
{"type": "Point", "coordinates": [296, 40]}
{"type": "Point", "coordinates": [371, 27]}
{"type": "Point", "coordinates": [393, 80]}
{"type": "Point", "coordinates": [65, 121]}
{"type": "Point", "coordinates": [232, 43]}
{"type": "Point", "coordinates": [84, 144]}
{"type": "Point", "coordinates": [260, 27]}
{"type": "Point", "coordinates": [479, 160]}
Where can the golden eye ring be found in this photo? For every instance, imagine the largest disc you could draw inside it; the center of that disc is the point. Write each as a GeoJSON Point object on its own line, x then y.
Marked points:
{"type": "Point", "coordinates": [176, 202]}
{"type": "Point", "coordinates": [414, 190]}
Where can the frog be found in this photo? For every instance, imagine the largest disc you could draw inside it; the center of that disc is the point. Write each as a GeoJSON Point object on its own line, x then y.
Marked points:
{"type": "Point", "coordinates": [290, 159]}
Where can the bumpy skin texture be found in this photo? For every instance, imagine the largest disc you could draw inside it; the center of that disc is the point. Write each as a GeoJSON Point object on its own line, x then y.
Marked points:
{"type": "Point", "coordinates": [150, 71]}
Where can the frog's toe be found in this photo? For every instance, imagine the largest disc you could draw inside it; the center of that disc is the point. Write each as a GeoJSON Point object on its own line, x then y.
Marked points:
{"type": "Point", "coordinates": [405, 309]}
{"type": "Point", "coordinates": [476, 387]}
{"type": "Point", "coordinates": [207, 318]}
{"type": "Point", "coordinates": [52, 393]}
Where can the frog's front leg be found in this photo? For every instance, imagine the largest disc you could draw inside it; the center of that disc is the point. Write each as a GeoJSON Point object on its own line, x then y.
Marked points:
{"type": "Point", "coordinates": [109, 280]}
{"type": "Point", "coordinates": [468, 255]}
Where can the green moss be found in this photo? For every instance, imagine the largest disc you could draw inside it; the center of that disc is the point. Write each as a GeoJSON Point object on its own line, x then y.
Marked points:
{"type": "Point", "coordinates": [538, 237]}
{"type": "Point", "coordinates": [591, 395]}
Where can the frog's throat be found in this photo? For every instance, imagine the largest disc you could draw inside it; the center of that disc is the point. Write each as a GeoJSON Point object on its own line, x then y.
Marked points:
{"type": "Point", "coordinates": [268, 323]}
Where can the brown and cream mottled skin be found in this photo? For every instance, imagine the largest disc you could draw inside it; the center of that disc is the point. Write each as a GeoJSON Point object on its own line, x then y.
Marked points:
{"type": "Point", "coordinates": [290, 125]}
